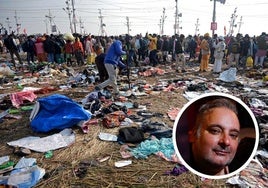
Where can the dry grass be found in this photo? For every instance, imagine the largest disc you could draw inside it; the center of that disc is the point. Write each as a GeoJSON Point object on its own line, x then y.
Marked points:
{"type": "Point", "coordinates": [60, 169]}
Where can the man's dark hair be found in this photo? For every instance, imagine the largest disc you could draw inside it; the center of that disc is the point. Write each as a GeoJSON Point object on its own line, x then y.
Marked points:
{"type": "Point", "coordinates": [209, 105]}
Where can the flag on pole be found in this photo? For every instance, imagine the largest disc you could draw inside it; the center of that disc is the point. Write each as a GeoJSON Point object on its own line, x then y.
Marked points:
{"type": "Point", "coordinates": [24, 31]}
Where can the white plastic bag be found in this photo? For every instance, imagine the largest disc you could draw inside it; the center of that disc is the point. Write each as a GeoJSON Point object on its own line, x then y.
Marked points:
{"type": "Point", "coordinates": [228, 75]}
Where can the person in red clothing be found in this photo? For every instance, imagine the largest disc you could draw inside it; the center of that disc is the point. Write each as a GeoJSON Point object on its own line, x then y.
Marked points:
{"type": "Point", "coordinates": [68, 52]}
{"type": "Point", "coordinates": [39, 50]}
{"type": "Point", "coordinates": [78, 51]}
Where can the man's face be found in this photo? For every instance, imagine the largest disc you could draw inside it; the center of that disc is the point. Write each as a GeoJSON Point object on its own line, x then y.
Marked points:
{"type": "Point", "coordinates": [215, 143]}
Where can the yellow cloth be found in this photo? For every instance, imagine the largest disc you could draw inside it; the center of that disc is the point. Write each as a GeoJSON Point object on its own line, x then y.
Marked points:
{"type": "Point", "coordinates": [153, 42]}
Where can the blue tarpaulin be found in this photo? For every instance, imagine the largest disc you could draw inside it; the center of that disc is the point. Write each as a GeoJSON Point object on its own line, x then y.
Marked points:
{"type": "Point", "coordinates": [57, 112]}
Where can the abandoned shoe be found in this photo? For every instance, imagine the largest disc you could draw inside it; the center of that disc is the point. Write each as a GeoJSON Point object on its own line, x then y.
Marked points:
{"type": "Point", "coordinates": [22, 151]}
{"type": "Point", "coordinates": [97, 88]}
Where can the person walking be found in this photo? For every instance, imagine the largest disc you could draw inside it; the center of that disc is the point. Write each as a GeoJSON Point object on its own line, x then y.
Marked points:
{"type": "Point", "coordinates": [152, 49]}
{"type": "Point", "coordinates": [68, 52]}
{"type": "Point", "coordinates": [179, 51]}
{"type": "Point", "coordinates": [205, 51]}
{"type": "Point", "coordinates": [262, 50]}
{"type": "Point", "coordinates": [219, 50]}
{"type": "Point", "coordinates": [49, 46]}
{"type": "Point", "coordinates": [30, 49]}
{"type": "Point", "coordinates": [99, 60]}
{"type": "Point", "coordinates": [39, 50]}
{"type": "Point", "coordinates": [78, 51]}
{"type": "Point", "coordinates": [235, 50]}
{"type": "Point", "coordinates": [11, 46]}
{"type": "Point", "coordinates": [111, 62]}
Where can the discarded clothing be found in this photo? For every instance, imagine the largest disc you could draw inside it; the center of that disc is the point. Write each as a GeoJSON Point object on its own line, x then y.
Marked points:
{"type": "Point", "coordinates": [18, 98]}
{"type": "Point", "coordinates": [157, 129]}
{"type": "Point", "coordinates": [172, 113]}
{"type": "Point", "coordinates": [113, 119]}
{"type": "Point", "coordinates": [177, 170]}
{"type": "Point", "coordinates": [130, 135]}
{"type": "Point", "coordinates": [154, 146]}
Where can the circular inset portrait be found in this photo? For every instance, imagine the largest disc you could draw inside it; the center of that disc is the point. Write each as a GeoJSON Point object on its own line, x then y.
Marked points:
{"type": "Point", "coordinates": [215, 135]}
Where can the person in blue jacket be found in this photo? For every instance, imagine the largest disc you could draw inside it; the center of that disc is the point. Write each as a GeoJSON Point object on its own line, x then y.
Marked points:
{"type": "Point", "coordinates": [111, 62]}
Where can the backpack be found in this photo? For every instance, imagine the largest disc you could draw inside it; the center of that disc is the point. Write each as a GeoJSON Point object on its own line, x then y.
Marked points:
{"type": "Point", "coordinates": [235, 48]}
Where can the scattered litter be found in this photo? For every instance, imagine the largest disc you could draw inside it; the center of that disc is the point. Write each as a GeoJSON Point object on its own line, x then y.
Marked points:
{"type": "Point", "coordinates": [55, 141]}
{"type": "Point", "coordinates": [108, 137]}
{"type": "Point", "coordinates": [228, 75]}
{"type": "Point", "coordinates": [48, 154]}
{"type": "Point", "coordinates": [122, 163]}
{"type": "Point", "coordinates": [103, 159]}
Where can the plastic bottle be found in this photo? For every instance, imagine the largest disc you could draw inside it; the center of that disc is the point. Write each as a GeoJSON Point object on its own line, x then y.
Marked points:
{"type": "Point", "coordinates": [48, 154]}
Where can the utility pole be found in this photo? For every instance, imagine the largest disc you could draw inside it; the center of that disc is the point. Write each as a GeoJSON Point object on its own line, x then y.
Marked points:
{"type": "Point", "coordinates": [213, 25]}
{"type": "Point", "coordinates": [239, 24]}
{"type": "Point", "coordinates": [102, 25]}
{"type": "Point", "coordinates": [8, 25]}
{"type": "Point", "coordinates": [46, 26]}
{"type": "Point", "coordinates": [2, 29]}
{"type": "Point", "coordinates": [179, 23]}
{"type": "Point", "coordinates": [176, 16]}
{"type": "Point", "coordinates": [81, 26]}
{"type": "Point", "coordinates": [197, 26]}
{"type": "Point", "coordinates": [68, 10]}
{"type": "Point", "coordinates": [74, 18]}
{"type": "Point", "coordinates": [49, 16]}
{"type": "Point", "coordinates": [160, 26]}
{"type": "Point", "coordinates": [17, 24]}
{"type": "Point", "coordinates": [163, 21]}
{"type": "Point", "coordinates": [128, 29]}
{"type": "Point", "coordinates": [232, 23]}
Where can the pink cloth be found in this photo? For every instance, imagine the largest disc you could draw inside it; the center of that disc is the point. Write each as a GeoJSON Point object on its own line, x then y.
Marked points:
{"type": "Point", "coordinates": [172, 113]}
{"type": "Point", "coordinates": [39, 47]}
{"type": "Point", "coordinates": [18, 98]}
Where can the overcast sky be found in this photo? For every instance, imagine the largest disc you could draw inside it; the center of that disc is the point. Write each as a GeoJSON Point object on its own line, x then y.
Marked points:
{"type": "Point", "coordinates": [144, 16]}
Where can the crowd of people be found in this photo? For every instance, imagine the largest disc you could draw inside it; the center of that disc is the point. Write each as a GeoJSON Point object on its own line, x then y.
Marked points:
{"type": "Point", "coordinates": [151, 49]}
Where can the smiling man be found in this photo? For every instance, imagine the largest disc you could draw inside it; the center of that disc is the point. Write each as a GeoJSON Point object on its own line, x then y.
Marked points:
{"type": "Point", "coordinates": [215, 136]}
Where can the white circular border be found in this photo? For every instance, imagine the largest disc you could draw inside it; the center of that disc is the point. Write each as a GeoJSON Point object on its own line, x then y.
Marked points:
{"type": "Point", "coordinates": [223, 95]}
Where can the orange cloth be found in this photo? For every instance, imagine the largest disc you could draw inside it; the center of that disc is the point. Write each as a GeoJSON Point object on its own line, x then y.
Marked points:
{"type": "Point", "coordinates": [204, 62]}
{"type": "Point", "coordinates": [153, 42]}
{"type": "Point", "coordinates": [78, 46]}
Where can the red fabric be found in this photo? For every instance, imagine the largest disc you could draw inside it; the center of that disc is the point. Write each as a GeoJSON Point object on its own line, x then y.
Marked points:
{"type": "Point", "coordinates": [18, 98]}
{"type": "Point", "coordinates": [68, 48]}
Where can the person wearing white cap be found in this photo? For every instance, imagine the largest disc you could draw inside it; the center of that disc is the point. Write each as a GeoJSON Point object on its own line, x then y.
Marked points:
{"type": "Point", "coordinates": [219, 54]}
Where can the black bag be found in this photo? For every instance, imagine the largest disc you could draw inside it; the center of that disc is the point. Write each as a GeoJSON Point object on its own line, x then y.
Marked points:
{"type": "Point", "coordinates": [235, 48]}
{"type": "Point", "coordinates": [131, 135]}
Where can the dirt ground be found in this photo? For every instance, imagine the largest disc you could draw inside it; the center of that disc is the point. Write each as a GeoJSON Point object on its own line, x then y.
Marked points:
{"type": "Point", "coordinates": [60, 168]}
